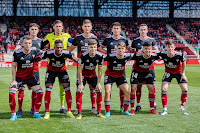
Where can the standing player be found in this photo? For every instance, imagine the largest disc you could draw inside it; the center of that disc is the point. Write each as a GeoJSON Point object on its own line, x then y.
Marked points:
{"type": "Point", "coordinates": [50, 39]}
{"type": "Point", "coordinates": [138, 44]}
{"type": "Point", "coordinates": [81, 42]}
{"type": "Point", "coordinates": [86, 73]}
{"type": "Point", "coordinates": [57, 68]}
{"type": "Point", "coordinates": [36, 42]}
{"type": "Point", "coordinates": [115, 73]}
{"type": "Point", "coordinates": [24, 59]}
{"type": "Point", "coordinates": [110, 43]}
{"type": "Point", "coordinates": [174, 68]}
{"type": "Point", "coordinates": [141, 72]}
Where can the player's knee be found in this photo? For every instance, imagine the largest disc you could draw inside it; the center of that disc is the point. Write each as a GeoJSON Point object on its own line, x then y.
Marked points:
{"type": "Point", "coordinates": [12, 91]}
{"type": "Point", "coordinates": [67, 88]}
{"type": "Point", "coordinates": [38, 91]}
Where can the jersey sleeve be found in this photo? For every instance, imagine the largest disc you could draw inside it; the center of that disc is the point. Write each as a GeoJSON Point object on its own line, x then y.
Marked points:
{"type": "Point", "coordinates": [14, 57]}
{"type": "Point", "coordinates": [44, 42]}
{"type": "Point", "coordinates": [154, 43]}
{"type": "Point", "coordinates": [75, 41]}
{"type": "Point", "coordinates": [98, 45]}
{"type": "Point", "coordinates": [45, 55]}
{"type": "Point", "coordinates": [20, 42]}
{"type": "Point", "coordinates": [101, 60]}
{"type": "Point", "coordinates": [183, 57]}
{"type": "Point", "coordinates": [71, 40]}
{"type": "Point", "coordinates": [104, 43]}
{"type": "Point", "coordinates": [127, 43]}
{"type": "Point", "coordinates": [70, 55]}
{"type": "Point", "coordinates": [134, 57]}
{"type": "Point", "coordinates": [133, 45]}
{"type": "Point", "coordinates": [107, 58]}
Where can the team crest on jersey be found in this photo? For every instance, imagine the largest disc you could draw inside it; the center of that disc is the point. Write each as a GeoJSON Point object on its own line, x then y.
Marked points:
{"type": "Point", "coordinates": [111, 43]}
{"type": "Point", "coordinates": [33, 56]}
{"type": "Point", "coordinates": [81, 41]}
{"type": "Point", "coordinates": [63, 39]}
{"type": "Point", "coordinates": [28, 61]}
{"type": "Point", "coordinates": [53, 39]}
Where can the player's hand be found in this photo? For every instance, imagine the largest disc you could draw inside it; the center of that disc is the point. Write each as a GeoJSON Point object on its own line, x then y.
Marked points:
{"type": "Point", "coordinates": [80, 87]}
{"type": "Point", "coordinates": [140, 52]}
{"type": "Point", "coordinates": [13, 85]}
{"type": "Point", "coordinates": [184, 77]}
{"type": "Point", "coordinates": [98, 87]}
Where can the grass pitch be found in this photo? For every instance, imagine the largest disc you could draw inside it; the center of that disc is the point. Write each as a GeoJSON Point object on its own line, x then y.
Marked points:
{"type": "Point", "coordinates": [175, 121]}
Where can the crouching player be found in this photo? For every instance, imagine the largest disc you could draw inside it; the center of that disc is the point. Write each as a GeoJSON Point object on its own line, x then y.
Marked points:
{"type": "Point", "coordinates": [24, 59]}
{"type": "Point", "coordinates": [56, 68]}
{"type": "Point", "coordinates": [115, 73]}
{"type": "Point", "coordinates": [174, 68]}
{"type": "Point", "coordinates": [141, 72]}
{"type": "Point", "coordinates": [87, 73]}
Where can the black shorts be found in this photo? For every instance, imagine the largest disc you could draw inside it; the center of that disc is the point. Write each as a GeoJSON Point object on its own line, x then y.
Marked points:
{"type": "Point", "coordinates": [139, 77]}
{"type": "Point", "coordinates": [62, 76]}
{"type": "Point", "coordinates": [168, 78]}
{"type": "Point", "coordinates": [37, 75]}
{"type": "Point", "coordinates": [29, 82]}
{"type": "Point", "coordinates": [110, 80]}
{"type": "Point", "coordinates": [90, 80]}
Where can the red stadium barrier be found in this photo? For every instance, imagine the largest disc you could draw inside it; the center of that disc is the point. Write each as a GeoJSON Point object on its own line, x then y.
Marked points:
{"type": "Point", "coordinates": [71, 63]}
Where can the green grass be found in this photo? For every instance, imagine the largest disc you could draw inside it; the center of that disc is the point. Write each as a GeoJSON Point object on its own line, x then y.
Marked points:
{"type": "Point", "coordinates": [175, 121]}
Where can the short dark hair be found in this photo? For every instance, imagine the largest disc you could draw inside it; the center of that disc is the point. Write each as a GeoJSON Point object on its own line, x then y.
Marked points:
{"type": "Point", "coordinates": [27, 37]}
{"type": "Point", "coordinates": [121, 44]}
{"type": "Point", "coordinates": [144, 25]}
{"type": "Point", "coordinates": [147, 44]}
{"type": "Point", "coordinates": [57, 21]}
{"type": "Point", "coordinates": [34, 24]}
{"type": "Point", "coordinates": [92, 42]}
{"type": "Point", "coordinates": [169, 42]}
{"type": "Point", "coordinates": [58, 41]}
{"type": "Point", "coordinates": [116, 24]}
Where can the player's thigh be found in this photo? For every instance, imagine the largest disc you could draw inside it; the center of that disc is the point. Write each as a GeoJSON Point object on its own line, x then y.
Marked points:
{"type": "Point", "coordinates": [33, 82]}
{"type": "Point", "coordinates": [165, 85]}
{"type": "Point", "coordinates": [167, 77]}
{"type": "Point", "coordinates": [108, 80]}
{"type": "Point", "coordinates": [92, 81]}
{"type": "Point", "coordinates": [134, 77]}
{"type": "Point", "coordinates": [125, 88]}
{"type": "Point", "coordinates": [178, 79]}
{"type": "Point", "coordinates": [63, 77]}
{"type": "Point", "coordinates": [121, 80]}
{"type": "Point", "coordinates": [83, 80]}
{"type": "Point", "coordinates": [150, 88]}
{"type": "Point", "coordinates": [184, 86]}
{"type": "Point", "coordinates": [50, 77]}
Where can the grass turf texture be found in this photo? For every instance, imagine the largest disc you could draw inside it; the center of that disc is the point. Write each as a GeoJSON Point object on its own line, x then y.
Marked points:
{"type": "Point", "coordinates": [175, 121]}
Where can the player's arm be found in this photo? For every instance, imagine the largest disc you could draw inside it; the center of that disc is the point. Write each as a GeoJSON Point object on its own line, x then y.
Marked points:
{"type": "Point", "coordinates": [100, 64]}
{"type": "Point", "coordinates": [19, 45]}
{"type": "Point", "coordinates": [98, 87]}
{"type": "Point", "coordinates": [183, 72]}
{"type": "Point", "coordinates": [80, 68]}
{"type": "Point", "coordinates": [72, 57]}
{"type": "Point", "coordinates": [13, 83]}
{"type": "Point", "coordinates": [44, 42]}
{"type": "Point", "coordinates": [104, 45]}
{"type": "Point", "coordinates": [71, 48]}
{"type": "Point", "coordinates": [155, 47]}
{"type": "Point", "coordinates": [39, 55]}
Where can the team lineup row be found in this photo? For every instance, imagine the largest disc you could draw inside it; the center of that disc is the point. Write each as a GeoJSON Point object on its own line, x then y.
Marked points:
{"type": "Point", "coordinates": [88, 59]}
